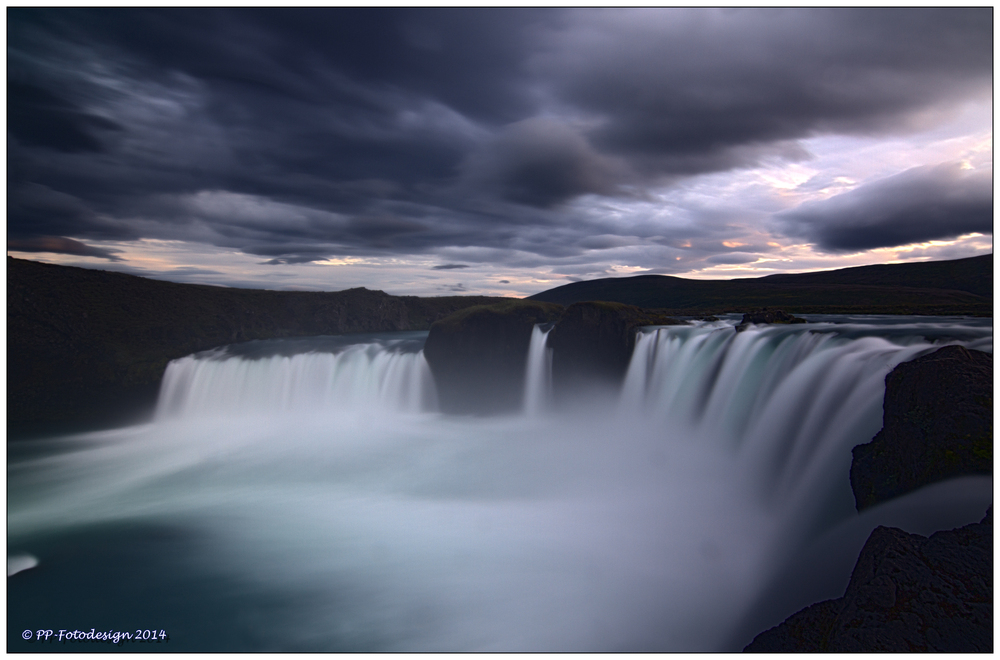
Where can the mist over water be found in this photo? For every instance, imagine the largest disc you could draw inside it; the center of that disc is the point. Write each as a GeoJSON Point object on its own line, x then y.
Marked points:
{"type": "Point", "coordinates": [311, 488]}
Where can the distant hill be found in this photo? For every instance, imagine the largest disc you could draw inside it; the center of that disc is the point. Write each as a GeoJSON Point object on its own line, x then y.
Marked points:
{"type": "Point", "coordinates": [974, 275]}
{"type": "Point", "coordinates": [86, 346]}
{"type": "Point", "coordinates": [960, 286]}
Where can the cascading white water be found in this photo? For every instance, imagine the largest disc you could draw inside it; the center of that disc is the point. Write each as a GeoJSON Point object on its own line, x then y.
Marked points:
{"type": "Point", "coordinates": [792, 401]}
{"type": "Point", "coordinates": [538, 374]}
{"type": "Point", "coordinates": [362, 377]}
{"type": "Point", "coordinates": [786, 395]}
{"type": "Point", "coordinates": [315, 494]}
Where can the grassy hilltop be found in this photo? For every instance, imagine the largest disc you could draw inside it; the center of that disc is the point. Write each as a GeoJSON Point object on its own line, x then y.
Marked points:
{"type": "Point", "coordinates": [958, 287]}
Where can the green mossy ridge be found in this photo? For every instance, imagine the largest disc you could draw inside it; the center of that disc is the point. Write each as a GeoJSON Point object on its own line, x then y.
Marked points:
{"type": "Point", "coordinates": [545, 312]}
{"type": "Point", "coordinates": [983, 448]}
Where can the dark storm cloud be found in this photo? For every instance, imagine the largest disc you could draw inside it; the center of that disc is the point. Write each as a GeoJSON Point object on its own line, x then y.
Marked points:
{"type": "Point", "coordinates": [290, 253]}
{"type": "Point", "coordinates": [36, 210]}
{"type": "Point", "coordinates": [61, 245]}
{"type": "Point", "coordinates": [294, 259]}
{"type": "Point", "coordinates": [299, 135]}
{"type": "Point", "coordinates": [730, 86]}
{"type": "Point", "coordinates": [918, 205]}
{"type": "Point", "coordinates": [383, 227]}
{"type": "Point", "coordinates": [732, 258]}
{"type": "Point", "coordinates": [38, 117]}
{"type": "Point", "coordinates": [541, 162]}
{"type": "Point", "coordinates": [449, 266]}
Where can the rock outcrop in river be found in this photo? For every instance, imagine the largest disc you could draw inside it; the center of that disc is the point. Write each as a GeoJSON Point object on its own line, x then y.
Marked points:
{"type": "Point", "coordinates": [479, 355]}
{"type": "Point", "coordinates": [593, 342]}
{"type": "Point", "coordinates": [937, 424]}
{"type": "Point", "coordinates": [767, 316]}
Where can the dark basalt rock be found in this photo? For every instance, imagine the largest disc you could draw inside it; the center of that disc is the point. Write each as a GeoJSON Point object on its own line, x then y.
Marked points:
{"type": "Point", "coordinates": [907, 593]}
{"type": "Point", "coordinates": [478, 356]}
{"type": "Point", "coordinates": [767, 316]}
{"type": "Point", "coordinates": [593, 342]}
{"type": "Point", "coordinates": [937, 424]}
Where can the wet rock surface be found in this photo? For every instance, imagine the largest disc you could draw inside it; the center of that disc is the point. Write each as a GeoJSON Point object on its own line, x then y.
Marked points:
{"type": "Point", "coordinates": [767, 316]}
{"type": "Point", "coordinates": [593, 342]}
{"type": "Point", "coordinates": [937, 424]}
{"type": "Point", "coordinates": [479, 355]}
{"type": "Point", "coordinates": [907, 593]}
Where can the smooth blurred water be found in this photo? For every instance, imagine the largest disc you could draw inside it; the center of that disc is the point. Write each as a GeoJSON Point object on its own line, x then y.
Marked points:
{"type": "Point", "coordinates": [307, 496]}
{"type": "Point", "coordinates": [538, 372]}
{"type": "Point", "coordinates": [381, 377]}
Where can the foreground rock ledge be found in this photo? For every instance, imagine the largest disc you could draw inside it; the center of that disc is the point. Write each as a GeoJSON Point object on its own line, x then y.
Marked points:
{"type": "Point", "coordinates": [937, 424]}
{"type": "Point", "coordinates": [907, 593]}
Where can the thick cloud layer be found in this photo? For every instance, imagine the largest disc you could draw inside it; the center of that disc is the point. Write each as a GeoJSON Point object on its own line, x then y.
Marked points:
{"type": "Point", "coordinates": [513, 136]}
{"type": "Point", "coordinates": [921, 204]}
{"type": "Point", "coordinates": [60, 245]}
{"type": "Point", "coordinates": [692, 91]}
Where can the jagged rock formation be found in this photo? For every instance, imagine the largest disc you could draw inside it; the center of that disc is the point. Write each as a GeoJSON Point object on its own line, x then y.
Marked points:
{"type": "Point", "coordinates": [937, 424]}
{"type": "Point", "coordinates": [907, 593]}
{"type": "Point", "coordinates": [767, 316]}
{"type": "Point", "coordinates": [593, 342]}
{"type": "Point", "coordinates": [479, 355]}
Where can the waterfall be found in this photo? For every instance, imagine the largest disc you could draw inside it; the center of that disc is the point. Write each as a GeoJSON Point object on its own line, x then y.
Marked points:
{"type": "Point", "coordinates": [792, 399]}
{"type": "Point", "coordinates": [777, 388]}
{"type": "Point", "coordinates": [368, 377]}
{"type": "Point", "coordinates": [538, 374]}
{"type": "Point", "coordinates": [292, 482]}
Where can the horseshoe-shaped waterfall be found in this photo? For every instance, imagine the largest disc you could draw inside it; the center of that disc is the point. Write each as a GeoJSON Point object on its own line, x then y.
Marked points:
{"type": "Point", "coordinates": [308, 495]}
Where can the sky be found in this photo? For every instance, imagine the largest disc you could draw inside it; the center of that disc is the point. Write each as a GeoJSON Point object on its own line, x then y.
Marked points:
{"type": "Point", "coordinates": [498, 151]}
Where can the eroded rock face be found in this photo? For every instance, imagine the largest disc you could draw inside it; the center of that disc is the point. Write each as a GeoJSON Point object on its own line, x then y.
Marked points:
{"type": "Point", "coordinates": [937, 424]}
{"type": "Point", "coordinates": [907, 593]}
{"type": "Point", "coordinates": [593, 342]}
{"type": "Point", "coordinates": [767, 316]}
{"type": "Point", "coordinates": [479, 355]}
